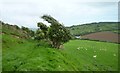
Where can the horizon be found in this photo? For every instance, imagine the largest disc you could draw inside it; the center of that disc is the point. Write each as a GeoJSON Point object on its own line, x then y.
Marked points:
{"type": "Point", "coordinates": [25, 13]}
{"type": "Point", "coordinates": [65, 26]}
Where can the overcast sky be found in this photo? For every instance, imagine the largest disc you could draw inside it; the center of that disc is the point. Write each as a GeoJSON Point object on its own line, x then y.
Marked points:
{"type": "Point", "coordinates": [69, 12]}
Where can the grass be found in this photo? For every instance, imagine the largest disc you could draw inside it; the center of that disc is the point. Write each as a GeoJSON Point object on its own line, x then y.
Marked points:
{"type": "Point", "coordinates": [28, 55]}
{"type": "Point", "coordinates": [105, 60]}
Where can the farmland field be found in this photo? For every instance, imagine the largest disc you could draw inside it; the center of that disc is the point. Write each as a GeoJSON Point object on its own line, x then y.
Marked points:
{"type": "Point", "coordinates": [77, 55]}
{"type": "Point", "coordinates": [103, 36]}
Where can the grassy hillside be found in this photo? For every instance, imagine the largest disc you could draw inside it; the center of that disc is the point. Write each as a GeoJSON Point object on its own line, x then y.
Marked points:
{"type": "Point", "coordinates": [94, 27]}
{"type": "Point", "coordinates": [28, 55]}
{"type": "Point", "coordinates": [14, 30]}
{"type": "Point", "coordinates": [21, 54]}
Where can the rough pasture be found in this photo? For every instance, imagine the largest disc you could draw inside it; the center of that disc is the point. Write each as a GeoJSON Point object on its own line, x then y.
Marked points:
{"type": "Point", "coordinates": [93, 55]}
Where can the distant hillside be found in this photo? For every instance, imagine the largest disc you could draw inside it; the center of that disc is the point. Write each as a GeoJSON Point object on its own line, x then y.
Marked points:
{"type": "Point", "coordinates": [94, 27]}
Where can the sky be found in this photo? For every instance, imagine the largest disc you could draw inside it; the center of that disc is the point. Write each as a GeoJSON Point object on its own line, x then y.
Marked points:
{"type": "Point", "coordinates": [68, 12]}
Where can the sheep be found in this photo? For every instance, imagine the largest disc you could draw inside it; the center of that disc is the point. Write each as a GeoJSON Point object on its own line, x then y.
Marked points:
{"type": "Point", "coordinates": [95, 56]}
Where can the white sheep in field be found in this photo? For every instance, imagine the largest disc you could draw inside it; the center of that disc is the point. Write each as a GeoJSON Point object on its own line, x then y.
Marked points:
{"type": "Point", "coordinates": [95, 56]}
{"type": "Point", "coordinates": [103, 49]}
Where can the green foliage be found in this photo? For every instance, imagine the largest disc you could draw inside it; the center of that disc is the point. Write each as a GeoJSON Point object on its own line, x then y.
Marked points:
{"type": "Point", "coordinates": [56, 33]}
{"type": "Point", "coordinates": [43, 28]}
{"type": "Point", "coordinates": [25, 28]}
{"type": "Point", "coordinates": [29, 32]}
{"type": "Point", "coordinates": [32, 33]}
{"type": "Point", "coordinates": [50, 19]}
{"type": "Point", "coordinates": [39, 35]}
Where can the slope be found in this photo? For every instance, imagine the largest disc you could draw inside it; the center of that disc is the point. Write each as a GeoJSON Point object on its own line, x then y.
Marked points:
{"type": "Point", "coordinates": [94, 27]}
{"type": "Point", "coordinates": [29, 55]}
{"type": "Point", "coordinates": [21, 54]}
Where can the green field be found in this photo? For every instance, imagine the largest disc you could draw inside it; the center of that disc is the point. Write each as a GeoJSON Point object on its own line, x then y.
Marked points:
{"type": "Point", "coordinates": [19, 54]}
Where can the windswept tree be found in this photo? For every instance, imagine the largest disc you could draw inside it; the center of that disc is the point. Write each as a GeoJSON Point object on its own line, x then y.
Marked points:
{"type": "Point", "coordinates": [43, 28]}
{"type": "Point", "coordinates": [39, 35]}
{"type": "Point", "coordinates": [57, 33]}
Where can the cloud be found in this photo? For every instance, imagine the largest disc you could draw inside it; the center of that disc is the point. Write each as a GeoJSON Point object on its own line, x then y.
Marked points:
{"type": "Point", "coordinates": [28, 13]}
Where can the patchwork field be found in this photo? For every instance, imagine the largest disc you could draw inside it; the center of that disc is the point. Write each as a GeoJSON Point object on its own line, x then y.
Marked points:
{"type": "Point", "coordinates": [77, 55]}
{"type": "Point", "coordinates": [103, 36]}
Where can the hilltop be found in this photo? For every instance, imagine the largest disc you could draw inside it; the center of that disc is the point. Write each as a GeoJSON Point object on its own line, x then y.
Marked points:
{"type": "Point", "coordinates": [15, 31]}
